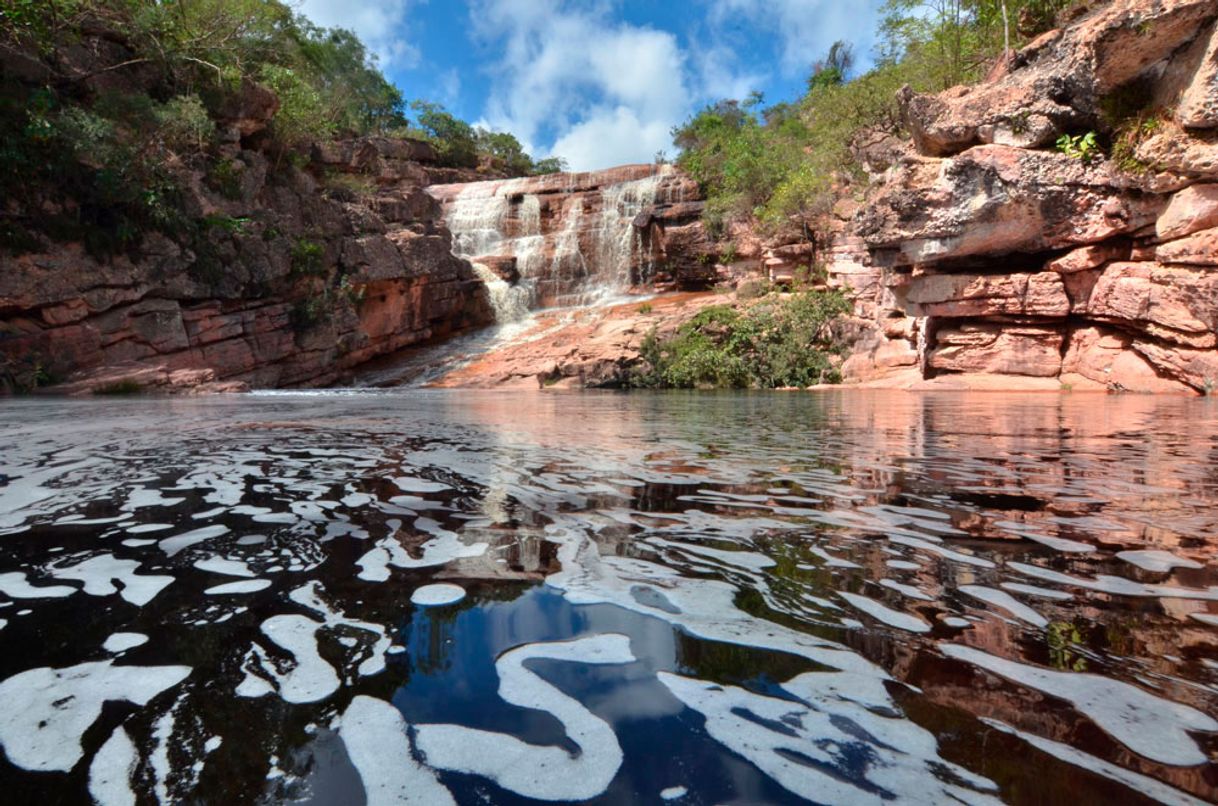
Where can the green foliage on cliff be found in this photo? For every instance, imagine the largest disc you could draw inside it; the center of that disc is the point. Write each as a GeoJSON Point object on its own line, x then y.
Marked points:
{"type": "Point", "coordinates": [781, 340]}
{"type": "Point", "coordinates": [105, 104]}
{"type": "Point", "coordinates": [784, 164]}
{"type": "Point", "coordinates": [461, 145]}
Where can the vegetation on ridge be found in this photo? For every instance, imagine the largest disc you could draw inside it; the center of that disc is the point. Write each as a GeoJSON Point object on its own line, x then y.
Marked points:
{"type": "Point", "coordinates": [104, 104]}
{"type": "Point", "coordinates": [785, 163]}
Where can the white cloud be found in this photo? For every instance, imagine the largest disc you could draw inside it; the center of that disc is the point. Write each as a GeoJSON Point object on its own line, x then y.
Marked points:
{"type": "Point", "coordinates": [613, 136]}
{"type": "Point", "coordinates": [378, 23]}
{"type": "Point", "coordinates": [606, 92]}
{"type": "Point", "coordinates": [804, 29]}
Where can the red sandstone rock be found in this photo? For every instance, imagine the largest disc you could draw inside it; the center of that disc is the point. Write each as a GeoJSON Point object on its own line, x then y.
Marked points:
{"type": "Point", "coordinates": [994, 348]}
{"type": "Point", "coordinates": [1198, 249]}
{"type": "Point", "coordinates": [967, 295]}
{"type": "Point", "coordinates": [1175, 303]}
{"type": "Point", "coordinates": [993, 200]}
{"type": "Point", "coordinates": [1056, 83]}
{"type": "Point", "coordinates": [1198, 107]}
{"type": "Point", "coordinates": [1192, 209]}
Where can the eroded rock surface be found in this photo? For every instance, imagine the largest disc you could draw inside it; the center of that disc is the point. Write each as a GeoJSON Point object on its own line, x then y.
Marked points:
{"type": "Point", "coordinates": [990, 254]}
{"type": "Point", "coordinates": [303, 276]}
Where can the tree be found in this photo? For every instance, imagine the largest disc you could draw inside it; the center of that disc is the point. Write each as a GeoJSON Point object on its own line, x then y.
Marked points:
{"type": "Point", "coordinates": [454, 139]}
{"type": "Point", "coordinates": [833, 69]}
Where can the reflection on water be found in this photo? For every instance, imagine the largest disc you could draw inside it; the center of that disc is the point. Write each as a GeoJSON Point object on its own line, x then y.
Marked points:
{"type": "Point", "coordinates": [704, 598]}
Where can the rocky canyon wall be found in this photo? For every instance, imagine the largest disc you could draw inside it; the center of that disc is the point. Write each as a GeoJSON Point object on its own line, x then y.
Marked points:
{"type": "Point", "coordinates": [299, 276]}
{"type": "Point", "coordinates": [575, 238]}
{"type": "Point", "coordinates": [986, 251]}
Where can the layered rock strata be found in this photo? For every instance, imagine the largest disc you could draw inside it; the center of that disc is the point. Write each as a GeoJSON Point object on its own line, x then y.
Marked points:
{"type": "Point", "coordinates": [984, 250]}
{"type": "Point", "coordinates": [298, 277]}
{"type": "Point", "coordinates": [574, 237]}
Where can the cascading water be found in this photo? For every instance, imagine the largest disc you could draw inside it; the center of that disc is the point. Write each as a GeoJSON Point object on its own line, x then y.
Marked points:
{"type": "Point", "coordinates": [568, 249]}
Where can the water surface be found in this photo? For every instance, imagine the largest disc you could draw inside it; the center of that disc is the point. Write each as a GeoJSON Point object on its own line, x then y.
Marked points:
{"type": "Point", "coordinates": [703, 598]}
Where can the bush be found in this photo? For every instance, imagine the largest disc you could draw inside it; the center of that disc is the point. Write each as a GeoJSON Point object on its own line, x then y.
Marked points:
{"type": "Point", "coordinates": [780, 341]}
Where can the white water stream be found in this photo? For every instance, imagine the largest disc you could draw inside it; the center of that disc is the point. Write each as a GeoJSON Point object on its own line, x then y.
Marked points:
{"type": "Point", "coordinates": [586, 257]}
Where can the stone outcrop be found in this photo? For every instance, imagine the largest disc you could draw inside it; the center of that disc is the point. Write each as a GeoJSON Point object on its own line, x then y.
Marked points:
{"type": "Point", "coordinates": [299, 277]}
{"type": "Point", "coordinates": [575, 235]}
{"type": "Point", "coordinates": [989, 253]}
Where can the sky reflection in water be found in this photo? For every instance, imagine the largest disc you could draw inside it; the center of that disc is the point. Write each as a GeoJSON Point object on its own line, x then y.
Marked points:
{"type": "Point", "coordinates": [736, 597]}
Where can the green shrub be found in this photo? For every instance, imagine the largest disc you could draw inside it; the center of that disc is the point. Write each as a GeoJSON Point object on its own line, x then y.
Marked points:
{"type": "Point", "coordinates": [308, 258]}
{"type": "Point", "coordinates": [780, 341]}
{"type": "Point", "coordinates": [1083, 147]}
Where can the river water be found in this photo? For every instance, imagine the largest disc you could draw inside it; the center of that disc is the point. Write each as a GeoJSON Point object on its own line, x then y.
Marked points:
{"type": "Point", "coordinates": [688, 598]}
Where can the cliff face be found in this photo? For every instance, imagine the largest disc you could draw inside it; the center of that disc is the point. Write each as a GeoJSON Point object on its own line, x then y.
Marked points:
{"type": "Point", "coordinates": [986, 251]}
{"type": "Point", "coordinates": [573, 236]}
{"type": "Point", "coordinates": [301, 276]}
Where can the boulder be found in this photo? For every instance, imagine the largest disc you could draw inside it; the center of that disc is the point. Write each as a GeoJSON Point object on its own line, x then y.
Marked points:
{"type": "Point", "coordinates": [999, 349]}
{"type": "Point", "coordinates": [1192, 209]}
{"type": "Point", "coordinates": [1175, 303]}
{"type": "Point", "coordinates": [1198, 249]}
{"type": "Point", "coordinates": [249, 110]}
{"type": "Point", "coordinates": [970, 295]}
{"type": "Point", "coordinates": [1058, 82]}
{"type": "Point", "coordinates": [995, 200]}
{"type": "Point", "coordinates": [1198, 107]}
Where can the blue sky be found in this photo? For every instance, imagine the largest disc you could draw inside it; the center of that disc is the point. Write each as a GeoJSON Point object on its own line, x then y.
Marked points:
{"type": "Point", "coordinates": [599, 82]}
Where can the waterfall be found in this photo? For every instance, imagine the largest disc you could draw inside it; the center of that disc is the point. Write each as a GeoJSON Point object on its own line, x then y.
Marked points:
{"type": "Point", "coordinates": [511, 303]}
{"type": "Point", "coordinates": [573, 240]}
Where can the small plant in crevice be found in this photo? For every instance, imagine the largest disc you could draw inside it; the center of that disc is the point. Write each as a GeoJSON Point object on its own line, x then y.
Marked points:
{"type": "Point", "coordinates": [307, 314]}
{"type": "Point", "coordinates": [352, 292]}
{"type": "Point", "coordinates": [1082, 147]}
{"type": "Point", "coordinates": [308, 258]}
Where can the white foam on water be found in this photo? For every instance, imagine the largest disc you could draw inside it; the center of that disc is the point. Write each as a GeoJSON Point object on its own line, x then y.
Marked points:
{"type": "Point", "coordinates": [47, 711]}
{"type": "Point", "coordinates": [99, 574]}
{"type": "Point", "coordinates": [1161, 561]}
{"type": "Point", "coordinates": [704, 608]}
{"type": "Point", "coordinates": [162, 732]}
{"type": "Point", "coordinates": [1154, 727]}
{"type": "Point", "coordinates": [111, 769]}
{"type": "Point", "coordinates": [750, 561]}
{"type": "Point", "coordinates": [1036, 590]}
{"type": "Point", "coordinates": [879, 612]}
{"type": "Point", "coordinates": [854, 754]}
{"type": "Point", "coordinates": [177, 543]}
{"type": "Point", "coordinates": [122, 641]}
{"type": "Point", "coordinates": [148, 527]}
{"type": "Point", "coordinates": [239, 587]}
{"type": "Point", "coordinates": [830, 560]}
{"type": "Point", "coordinates": [310, 678]}
{"type": "Point", "coordinates": [1143, 785]}
{"type": "Point", "coordinates": [1119, 586]}
{"type": "Point", "coordinates": [374, 734]}
{"type": "Point", "coordinates": [545, 773]}
{"type": "Point", "coordinates": [441, 549]}
{"type": "Point", "coordinates": [224, 567]}
{"type": "Point", "coordinates": [411, 484]}
{"type": "Point", "coordinates": [1004, 601]}
{"type": "Point", "coordinates": [435, 595]}
{"type": "Point", "coordinates": [907, 590]}
{"type": "Point", "coordinates": [15, 585]}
